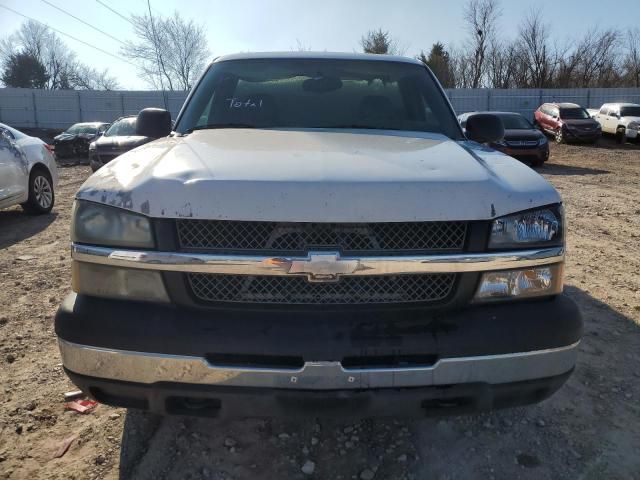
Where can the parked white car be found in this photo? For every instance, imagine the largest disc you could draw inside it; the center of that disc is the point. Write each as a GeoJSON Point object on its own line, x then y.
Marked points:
{"type": "Point", "coordinates": [28, 174]}
{"type": "Point", "coordinates": [620, 119]}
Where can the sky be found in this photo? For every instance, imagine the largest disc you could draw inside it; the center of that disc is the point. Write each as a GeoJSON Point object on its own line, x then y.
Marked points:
{"type": "Point", "coordinates": [277, 25]}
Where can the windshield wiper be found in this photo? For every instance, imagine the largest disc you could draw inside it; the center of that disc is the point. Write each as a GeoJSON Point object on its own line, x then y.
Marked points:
{"type": "Point", "coordinates": [213, 126]}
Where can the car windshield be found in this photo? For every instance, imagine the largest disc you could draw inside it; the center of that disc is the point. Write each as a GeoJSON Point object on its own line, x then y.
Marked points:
{"type": "Point", "coordinates": [319, 93]}
{"type": "Point", "coordinates": [574, 114]}
{"type": "Point", "coordinates": [122, 128]}
{"type": "Point", "coordinates": [630, 111]}
{"type": "Point", "coordinates": [515, 122]}
{"type": "Point", "coordinates": [79, 128]}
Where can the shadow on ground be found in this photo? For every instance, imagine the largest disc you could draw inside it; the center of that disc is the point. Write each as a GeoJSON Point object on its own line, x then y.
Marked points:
{"type": "Point", "coordinates": [589, 429]}
{"type": "Point", "coordinates": [557, 169]}
{"type": "Point", "coordinates": [16, 225]}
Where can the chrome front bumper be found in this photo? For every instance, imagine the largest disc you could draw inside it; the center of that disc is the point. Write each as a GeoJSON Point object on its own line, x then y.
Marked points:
{"type": "Point", "coordinates": [149, 368]}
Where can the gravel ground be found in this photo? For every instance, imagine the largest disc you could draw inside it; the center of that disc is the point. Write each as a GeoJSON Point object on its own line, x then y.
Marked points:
{"type": "Point", "coordinates": [590, 429]}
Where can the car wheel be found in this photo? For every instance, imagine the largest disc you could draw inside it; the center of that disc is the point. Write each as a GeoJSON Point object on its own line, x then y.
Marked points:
{"type": "Point", "coordinates": [559, 136]}
{"type": "Point", "coordinates": [41, 194]}
{"type": "Point", "coordinates": [620, 134]}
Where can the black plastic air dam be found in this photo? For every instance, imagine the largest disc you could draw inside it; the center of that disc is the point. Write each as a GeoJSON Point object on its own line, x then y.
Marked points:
{"type": "Point", "coordinates": [320, 334]}
{"type": "Point", "coordinates": [216, 401]}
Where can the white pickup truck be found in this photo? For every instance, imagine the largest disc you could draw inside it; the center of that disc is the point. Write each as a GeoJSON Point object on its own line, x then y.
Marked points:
{"type": "Point", "coordinates": [620, 119]}
{"type": "Point", "coordinates": [317, 236]}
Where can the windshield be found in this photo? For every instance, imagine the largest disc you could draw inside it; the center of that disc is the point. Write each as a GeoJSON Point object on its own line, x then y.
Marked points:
{"type": "Point", "coordinates": [318, 93]}
{"type": "Point", "coordinates": [515, 122]}
{"type": "Point", "coordinates": [630, 111]}
{"type": "Point", "coordinates": [574, 114]}
{"type": "Point", "coordinates": [79, 128]}
{"type": "Point", "coordinates": [122, 128]}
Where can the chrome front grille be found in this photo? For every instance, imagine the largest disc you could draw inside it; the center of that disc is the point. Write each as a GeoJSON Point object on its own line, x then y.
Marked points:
{"type": "Point", "coordinates": [296, 290]}
{"type": "Point", "coordinates": [522, 143]}
{"type": "Point", "coordinates": [298, 238]}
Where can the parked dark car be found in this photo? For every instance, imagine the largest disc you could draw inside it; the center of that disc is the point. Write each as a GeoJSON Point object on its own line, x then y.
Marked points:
{"type": "Point", "coordinates": [567, 122]}
{"type": "Point", "coordinates": [118, 139]}
{"type": "Point", "coordinates": [74, 142]}
{"type": "Point", "coordinates": [521, 139]}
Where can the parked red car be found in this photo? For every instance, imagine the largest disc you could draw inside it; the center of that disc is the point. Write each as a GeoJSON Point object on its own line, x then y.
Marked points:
{"type": "Point", "coordinates": [567, 122]}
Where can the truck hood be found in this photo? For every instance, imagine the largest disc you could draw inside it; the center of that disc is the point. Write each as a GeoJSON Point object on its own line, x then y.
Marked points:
{"type": "Point", "coordinates": [628, 119]}
{"type": "Point", "coordinates": [317, 175]}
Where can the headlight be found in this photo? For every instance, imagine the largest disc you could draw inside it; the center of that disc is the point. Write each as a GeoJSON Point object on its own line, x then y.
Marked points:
{"type": "Point", "coordinates": [541, 227]}
{"type": "Point", "coordinates": [92, 146]}
{"type": "Point", "coordinates": [543, 140]}
{"type": "Point", "coordinates": [525, 283]}
{"type": "Point", "coordinates": [98, 224]}
{"type": "Point", "coordinates": [634, 125]}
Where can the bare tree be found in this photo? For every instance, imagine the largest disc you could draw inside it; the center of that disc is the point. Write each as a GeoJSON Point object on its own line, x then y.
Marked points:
{"type": "Point", "coordinates": [481, 17]}
{"type": "Point", "coordinates": [63, 70]}
{"type": "Point", "coordinates": [631, 60]}
{"type": "Point", "coordinates": [380, 42]}
{"type": "Point", "coordinates": [461, 68]}
{"type": "Point", "coordinates": [503, 66]}
{"type": "Point", "coordinates": [171, 51]}
{"type": "Point", "coordinates": [535, 51]}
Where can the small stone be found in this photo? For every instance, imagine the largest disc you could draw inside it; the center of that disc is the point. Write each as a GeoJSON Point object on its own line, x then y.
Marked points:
{"type": "Point", "coordinates": [308, 468]}
{"type": "Point", "coordinates": [100, 459]}
{"type": "Point", "coordinates": [528, 461]}
{"type": "Point", "coordinates": [305, 451]}
{"type": "Point", "coordinates": [541, 423]}
{"type": "Point", "coordinates": [367, 474]}
{"type": "Point", "coordinates": [114, 416]}
{"type": "Point", "coordinates": [229, 442]}
{"type": "Point", "coordinates": [11, 358]}
{"type": "Point", "coordinates": [19, 429]}
{"type": "Point", "coordinates": [283, 436]}
{"type": "Point", "coordinates": [232, 450]}
{"type": "Point", "coordinates": [31, 406]}
{"type": "Point", "coordinates": [314, 441]}
{"type": "Point", "coordinates": [4, 320]}
{"type": "Point", "coordinates": [348, 429]}
{"type": "Point", "coordinates": [348, 444]}
{"type": "Point", "coordinates": [402, 458]}
{"type": "Point", "coordinates": [25, 258]}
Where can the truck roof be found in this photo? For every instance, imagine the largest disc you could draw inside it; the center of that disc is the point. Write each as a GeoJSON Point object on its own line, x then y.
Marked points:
{"type": "Point", "coordinates": [621, 104]}
{"type": "Point", "coordinates": [317, 55]}
{"type": "Point", "coordinates": [565, 105]}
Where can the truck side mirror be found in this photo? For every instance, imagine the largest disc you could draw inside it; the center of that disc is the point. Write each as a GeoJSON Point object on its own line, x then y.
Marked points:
{"type": "Point", "coordinates": [153, 122]}
{"type": "Point", "coordinates": [484, 128]}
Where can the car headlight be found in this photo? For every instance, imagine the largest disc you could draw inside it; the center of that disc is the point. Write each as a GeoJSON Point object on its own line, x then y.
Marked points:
{"type": "Point", "coordinates": [543, 140]}
{"type": "Point", "coordinates": [92, 146]}
{"type": "Point", "coordinates": [97, 224]}
{"type": "Point", "coordinates": [634, 125]}
{"type": "Point", "coordinates": [542, 226]}
{"type": "Point", "coordinates": [526, 283]}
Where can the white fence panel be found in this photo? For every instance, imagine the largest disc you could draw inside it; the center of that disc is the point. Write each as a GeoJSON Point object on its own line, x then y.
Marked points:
{"type": "Point", "coordinates": [60, 108]}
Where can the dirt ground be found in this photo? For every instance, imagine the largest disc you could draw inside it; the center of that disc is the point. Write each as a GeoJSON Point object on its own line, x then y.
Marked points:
{"type": "Point", "coordinates": [589, 430]}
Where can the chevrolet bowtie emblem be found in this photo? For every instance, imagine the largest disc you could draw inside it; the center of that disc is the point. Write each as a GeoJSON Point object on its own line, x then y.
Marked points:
{"type": "Point", "coordinates": [318, 266]}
